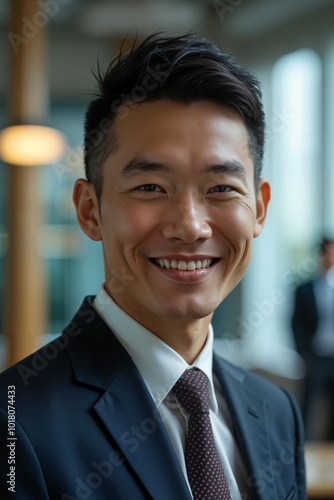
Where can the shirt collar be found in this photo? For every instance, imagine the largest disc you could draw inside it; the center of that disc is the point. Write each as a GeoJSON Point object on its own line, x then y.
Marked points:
{"type": "Point", "coordinates": [159, 365]}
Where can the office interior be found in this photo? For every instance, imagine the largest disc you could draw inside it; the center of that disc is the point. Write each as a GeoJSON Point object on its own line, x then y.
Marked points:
{"type": "Point", "coordinates": [288, 45]}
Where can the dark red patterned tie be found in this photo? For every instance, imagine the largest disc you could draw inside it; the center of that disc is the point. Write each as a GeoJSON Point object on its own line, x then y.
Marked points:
{"type": "Point", "coordinates": [205, 471]}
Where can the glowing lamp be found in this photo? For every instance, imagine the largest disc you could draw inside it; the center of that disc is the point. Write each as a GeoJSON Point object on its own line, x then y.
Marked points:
{"type": "Point", "coordinates": [31, 145]}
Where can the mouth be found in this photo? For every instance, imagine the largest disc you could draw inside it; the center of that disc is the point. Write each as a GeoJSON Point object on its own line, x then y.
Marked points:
{"type": "Point", "coordinates": [182, 265]}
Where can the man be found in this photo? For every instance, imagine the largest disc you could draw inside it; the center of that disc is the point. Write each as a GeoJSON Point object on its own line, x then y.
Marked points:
{"type": "Point", "coordinates": [173, 151]}
{"type": "Point", "coordinates": [313, 328]}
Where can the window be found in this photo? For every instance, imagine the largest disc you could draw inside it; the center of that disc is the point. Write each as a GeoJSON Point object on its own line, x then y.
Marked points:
{"type": "Point", "coordinates": [294, 165]}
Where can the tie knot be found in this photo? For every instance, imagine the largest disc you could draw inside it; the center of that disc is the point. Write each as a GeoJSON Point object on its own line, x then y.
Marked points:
{"type": "Point", "coordinates": [192, 391]}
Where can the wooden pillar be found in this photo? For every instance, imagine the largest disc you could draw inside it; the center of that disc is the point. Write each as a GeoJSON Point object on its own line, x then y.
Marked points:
{"type": "Point", "coordinates": [25, 294]}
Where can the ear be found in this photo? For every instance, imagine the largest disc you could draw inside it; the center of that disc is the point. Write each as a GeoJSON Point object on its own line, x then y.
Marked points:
{"type": "Point", "coordinates": [87, 207]}
{"type": "Point", "coordinates": [262, 201]}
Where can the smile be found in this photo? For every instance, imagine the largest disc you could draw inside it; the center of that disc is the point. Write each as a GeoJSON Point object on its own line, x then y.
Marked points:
{"type": "Point", "coordinates": [181, 265]}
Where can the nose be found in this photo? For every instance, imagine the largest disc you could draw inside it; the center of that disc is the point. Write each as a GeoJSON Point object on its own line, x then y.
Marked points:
{"type": "Point", "coordinates": [187, 220]}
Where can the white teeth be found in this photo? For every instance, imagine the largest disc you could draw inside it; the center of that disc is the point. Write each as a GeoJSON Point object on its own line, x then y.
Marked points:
{"type": "Point", "coordinates": [184, 266]}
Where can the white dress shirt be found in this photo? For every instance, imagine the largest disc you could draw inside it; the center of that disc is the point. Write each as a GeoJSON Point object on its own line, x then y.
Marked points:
{"type": "Point", "coordinates": [160, 367]}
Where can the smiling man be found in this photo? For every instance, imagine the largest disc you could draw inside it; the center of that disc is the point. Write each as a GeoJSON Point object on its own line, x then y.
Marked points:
{"type": "Point", "coordinates": [133, 403]}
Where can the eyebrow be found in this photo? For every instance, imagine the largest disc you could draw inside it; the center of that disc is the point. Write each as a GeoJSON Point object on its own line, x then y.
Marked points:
{"type": "Point", "coordinates": [226, 167]}
{"type": "Point", "coordinates": [141, 164]}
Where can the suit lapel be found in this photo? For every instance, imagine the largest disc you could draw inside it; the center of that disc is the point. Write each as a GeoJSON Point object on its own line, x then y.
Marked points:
{"type": "Point", "coordinates": [125, 407]}
{"type": "Point", "coordinates": [249, 416]}
{"type": "Point", "coordinates": [131, 417]}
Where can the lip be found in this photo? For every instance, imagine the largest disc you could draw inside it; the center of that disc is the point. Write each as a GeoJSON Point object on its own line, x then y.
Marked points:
{"type": "Point", "coordinates": [185, 258]}
{"type": "Point", "coordinates": [185, 276]}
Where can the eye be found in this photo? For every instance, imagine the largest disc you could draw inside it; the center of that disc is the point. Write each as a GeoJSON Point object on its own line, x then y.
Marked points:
{"type": "Point", "coordinates": [152, 188]}
{"type": "Point", "coordinates": [222, 188]}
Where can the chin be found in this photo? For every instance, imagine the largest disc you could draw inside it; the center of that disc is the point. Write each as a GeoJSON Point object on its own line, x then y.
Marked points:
{"type": "Point", "coordinates": [184, 312]}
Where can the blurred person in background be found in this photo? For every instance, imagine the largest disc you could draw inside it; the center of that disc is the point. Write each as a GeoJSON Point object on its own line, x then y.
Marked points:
{"type": "Point", "coordinates": [313, 328]}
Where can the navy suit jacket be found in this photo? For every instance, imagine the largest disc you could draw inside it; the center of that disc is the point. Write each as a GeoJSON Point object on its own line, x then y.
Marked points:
{"type": "Point", "coordinates": [86, 426]}
{"type": "Point", "coordinates": [305, 317]}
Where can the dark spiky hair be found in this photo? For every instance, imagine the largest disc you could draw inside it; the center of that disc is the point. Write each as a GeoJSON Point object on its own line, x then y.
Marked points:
{"type": "Point", "coordinates": [183, 69]}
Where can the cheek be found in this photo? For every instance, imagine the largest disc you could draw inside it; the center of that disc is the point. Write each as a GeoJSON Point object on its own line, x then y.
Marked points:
{"type": "Point", "coordinates": [237, 224]}
{"type": "Point", "coordinates": [129, 228]}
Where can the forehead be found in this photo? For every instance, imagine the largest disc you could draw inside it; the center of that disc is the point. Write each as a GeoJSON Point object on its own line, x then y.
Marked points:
{"type": "Point", "coordinates": [186, 132]}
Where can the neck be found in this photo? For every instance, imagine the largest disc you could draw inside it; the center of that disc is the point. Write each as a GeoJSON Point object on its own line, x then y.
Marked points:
{"type": "Point", "coordinates": [185, 336]}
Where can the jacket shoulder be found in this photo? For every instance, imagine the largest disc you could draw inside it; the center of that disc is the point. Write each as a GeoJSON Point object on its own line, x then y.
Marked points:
{"type": "Point", "coordinates": [274, 395]}
{"type": "Point", "coordinates": [38, 369]}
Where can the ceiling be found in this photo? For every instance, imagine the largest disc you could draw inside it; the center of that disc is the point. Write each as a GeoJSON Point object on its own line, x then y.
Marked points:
{"type": "Point", "coordinates": [107, 18]}
{"type": "Point", "coordinates": [81, 29]}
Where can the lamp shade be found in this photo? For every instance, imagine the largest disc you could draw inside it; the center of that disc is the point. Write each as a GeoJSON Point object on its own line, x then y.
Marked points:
{"type": "Point", "coordinates": [31, 145]}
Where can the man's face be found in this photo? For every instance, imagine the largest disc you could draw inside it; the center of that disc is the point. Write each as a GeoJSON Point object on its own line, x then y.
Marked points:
{"type": "Point", "coordinates": [327, 256]}
{"type": "Point", "coordinates": [178, 210]}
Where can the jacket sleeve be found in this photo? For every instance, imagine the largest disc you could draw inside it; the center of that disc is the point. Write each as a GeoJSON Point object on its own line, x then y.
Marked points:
{"type": "Point", "coordinates": [304, 320]}
{"type": "Point", "coordinates": [299, 450]}
{"type": "Point", "coordinates": [19, 464]}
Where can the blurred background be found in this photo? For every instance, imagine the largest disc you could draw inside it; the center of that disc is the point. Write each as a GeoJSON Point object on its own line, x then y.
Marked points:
{"type": "Point", "coordinates": [47, 48]}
